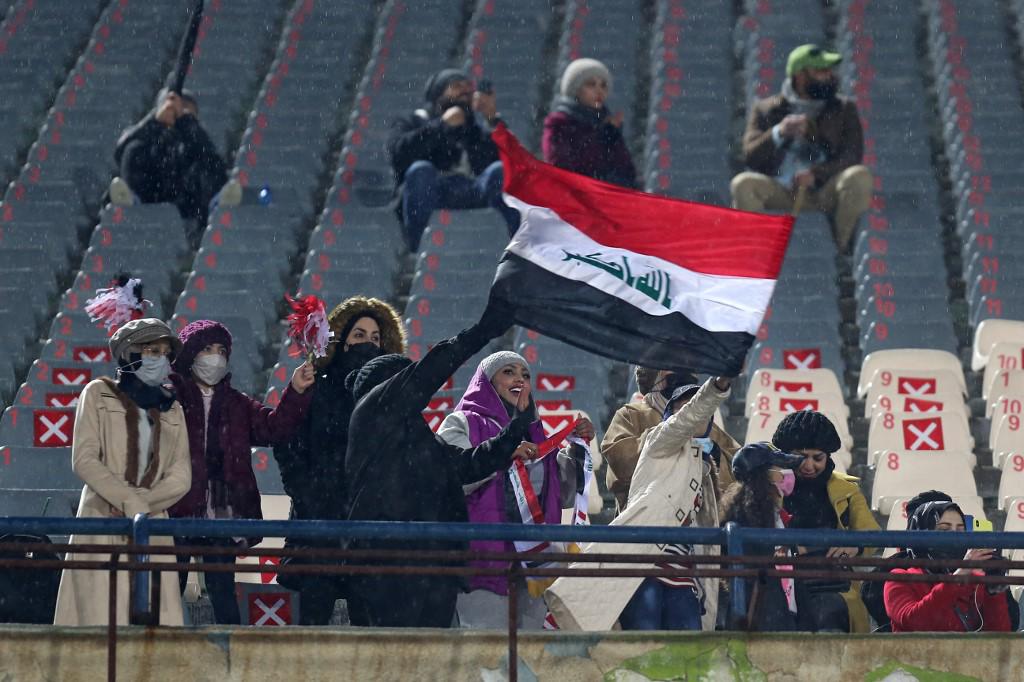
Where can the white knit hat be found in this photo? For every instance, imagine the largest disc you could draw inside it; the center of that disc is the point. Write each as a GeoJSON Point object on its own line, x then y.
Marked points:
{"type": "Point", "coordinates": [578, 71]}
{"type": "Point", "coordinates": [495, 361]}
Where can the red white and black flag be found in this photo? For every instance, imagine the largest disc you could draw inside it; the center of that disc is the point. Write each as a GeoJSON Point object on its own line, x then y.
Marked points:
{"type": "Point", "coordinates": [632, 276]}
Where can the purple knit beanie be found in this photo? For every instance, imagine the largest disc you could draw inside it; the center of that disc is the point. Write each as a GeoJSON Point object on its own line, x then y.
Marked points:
{"type": "Point", "coordinates": [195, 337]}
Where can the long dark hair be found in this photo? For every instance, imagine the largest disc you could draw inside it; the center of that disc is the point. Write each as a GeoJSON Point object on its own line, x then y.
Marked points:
{"type": "Point", "coordinates": [750, 503]}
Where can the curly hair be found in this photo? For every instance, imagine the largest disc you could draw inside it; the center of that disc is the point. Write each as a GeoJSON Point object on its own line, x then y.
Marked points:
{"type": "Point", "coordinates": [750, 503]}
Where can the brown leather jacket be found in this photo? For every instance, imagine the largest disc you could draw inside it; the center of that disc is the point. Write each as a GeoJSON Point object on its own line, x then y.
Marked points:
{"type": "Point", "coordinates": [620, 447]}
{"type": "Point", "coordinates": [836, 129]}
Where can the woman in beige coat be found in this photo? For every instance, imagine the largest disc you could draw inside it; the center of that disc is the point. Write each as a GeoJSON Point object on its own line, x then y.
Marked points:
{"type": "Point", "coordinates": [130, 448]}
{"type": "Point", "coordinates": [673, 485]}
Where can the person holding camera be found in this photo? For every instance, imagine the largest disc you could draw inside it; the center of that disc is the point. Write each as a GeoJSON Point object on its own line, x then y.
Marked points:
{"type": "Point", "coordinates": [444, 158]}
{"type": "Point", "coordinates": [945, 607]}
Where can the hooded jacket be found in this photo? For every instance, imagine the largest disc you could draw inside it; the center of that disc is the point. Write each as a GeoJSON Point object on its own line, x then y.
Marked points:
{"type": "Point", "coordinates": [312, 462]}
{"type": "Point", "coordinates": [480, 415]}
{"type": "Point", "coordinates": [396, 468]}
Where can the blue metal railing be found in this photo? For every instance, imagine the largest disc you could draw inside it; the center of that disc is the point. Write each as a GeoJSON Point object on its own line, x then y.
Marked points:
{"type": "Point", "coordinates": [736, 539]}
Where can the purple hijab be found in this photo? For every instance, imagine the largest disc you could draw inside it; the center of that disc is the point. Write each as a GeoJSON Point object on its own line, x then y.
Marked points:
{"type": "Point", "coordinates": [485, 412]}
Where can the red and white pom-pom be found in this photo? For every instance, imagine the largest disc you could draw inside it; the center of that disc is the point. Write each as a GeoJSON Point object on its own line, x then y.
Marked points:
{"type": "Point", "coordinates": [308, 324]}
{"type": "Point", "coordinates": [117, 304]}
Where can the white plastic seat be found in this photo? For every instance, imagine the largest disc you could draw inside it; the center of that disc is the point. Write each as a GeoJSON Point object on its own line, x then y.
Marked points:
{"type": "Point", "coordinates": [901, 475]}
{"type": "Point", "coordinates": [899, 382]}
{"type": "Point", "coordinates": [945, 432]}
{"type": "Point", "coordinates": [939, 402]}
{"type": "Point", "coordinates": [1005, 381]}
{"type": "Point", "coordinates": [1006, 438]}
{"type": "Point", "coordinates": [1001, 404]}
{"type": "Point", "coordinates": [1015, 514]}
{"type": "Point", "coordinates": [913, 360]}
{"type": "Point", "coordinates": [793, 381]}
{"type": "Point", "coordinates": [988, 334]}
{"type": "Point", "coordinates": [783, 401]}
{"type": "Point", "coordinates": [1011, 482]}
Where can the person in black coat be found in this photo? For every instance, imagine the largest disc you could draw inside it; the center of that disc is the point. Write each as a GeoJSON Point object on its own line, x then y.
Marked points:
{"type": "Point", "coordinates": [312, 463]}
{"type": "Point", "coordinates": [397, 469]}
{"type": "Point", "coordinates": [443, 158]}
{"type": "Point", "coordinates": [168, 157]}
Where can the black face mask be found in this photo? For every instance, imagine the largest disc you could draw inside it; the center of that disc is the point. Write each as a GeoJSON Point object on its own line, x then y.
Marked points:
{"type": "Point", "coordinates": [358, 354]}
{"type": "Point", "coordinates": [822, 89]}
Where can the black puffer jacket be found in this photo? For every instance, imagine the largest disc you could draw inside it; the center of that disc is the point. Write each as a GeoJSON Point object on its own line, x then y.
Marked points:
{"type": "Point", "coordinates": [155, 159]}
{"type": "Point", "coordinates": [420, 137]}
{"type": "Point", "coordinates": [397, 469]}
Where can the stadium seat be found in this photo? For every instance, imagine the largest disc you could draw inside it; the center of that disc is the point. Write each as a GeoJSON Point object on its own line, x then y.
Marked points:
{"type": "Point", "coordinates": [901, 475]}
{"type": "Point", "coordinates": [908, 359]}
{"type": "Point", "coordinates": [1005, 438]}
{"type": "Point", "coordinates": [1004, 381]}
{"type": "Point", "coordinates": [939, 402]}
{"type": "Point", "coordinates": [988, 334]}
{"type": "Point", "coordinates": [780, 401]}
{"type": "Point", "coordinates": [793, 381]}
{"type": "Point", "coordinates": [945, 432]}
{"type": "Point", "coordinates": [920, 383]}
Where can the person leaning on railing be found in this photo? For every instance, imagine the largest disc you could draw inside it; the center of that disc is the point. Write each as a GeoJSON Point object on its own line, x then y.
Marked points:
{"type": "Point", "coordinates": [945, 607]}
{"type": "Point", "coordinates": [825, 498]}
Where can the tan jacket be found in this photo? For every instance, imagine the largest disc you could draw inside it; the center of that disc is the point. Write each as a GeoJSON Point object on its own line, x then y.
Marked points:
{"type": "Point", "coordinates": [107, 460]}
{"type": "Point", "coordinates": [620, 447]}
{"type": "Point", "coordinates": [836, 129]}
{"type": "Point", "coordinates": [669, 470]}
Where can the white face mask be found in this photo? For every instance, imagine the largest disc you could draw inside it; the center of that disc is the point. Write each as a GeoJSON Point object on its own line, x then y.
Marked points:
{"type": "Point", "coordinates": [210, 368]}
{"type": "Point", "coordinates": [153, 371]}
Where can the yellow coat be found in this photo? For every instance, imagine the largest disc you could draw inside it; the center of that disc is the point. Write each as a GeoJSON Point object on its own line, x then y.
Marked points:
{"type": "Point", "coordinates": [114, 486]}
{"type": "Point", "coordinates": [852, 513]}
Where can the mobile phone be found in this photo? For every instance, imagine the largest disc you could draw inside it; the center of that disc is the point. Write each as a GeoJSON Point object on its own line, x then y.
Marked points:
{"type": "Point", "coordinates": [977, 525]}
{"type": "Point", "coordinates": [485, 86]}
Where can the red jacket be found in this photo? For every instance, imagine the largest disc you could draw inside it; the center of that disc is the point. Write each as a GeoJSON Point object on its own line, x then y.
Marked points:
{"type": "Point", "coordinates": [932, 607]}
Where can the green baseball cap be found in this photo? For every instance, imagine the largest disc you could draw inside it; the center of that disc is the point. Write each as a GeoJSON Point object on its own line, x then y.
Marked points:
{"type": "Point", "coordinates": [810, 56]}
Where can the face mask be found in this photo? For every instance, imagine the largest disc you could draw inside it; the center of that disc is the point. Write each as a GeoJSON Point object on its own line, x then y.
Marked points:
{"type": "Point", "coordinates": [785, 486]}
{"type": "Point", "coordinates": [358, 354]}
{"type": "Point", "coordinates": [822, 89]}
{"type": "Point", "coordinates": [210, 369]}
{"type": "Point", "coordinates": [153, 371]}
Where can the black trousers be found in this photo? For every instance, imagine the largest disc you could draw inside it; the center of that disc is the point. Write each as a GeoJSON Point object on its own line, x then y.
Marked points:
{"type": "Point", "coordinates": [220, 585]}
{"type": "Point", "coordinates": [402, 601]}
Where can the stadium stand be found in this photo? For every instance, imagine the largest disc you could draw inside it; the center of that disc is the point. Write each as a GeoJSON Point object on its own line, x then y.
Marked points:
{"type": "Point", "coordinates": [911, 343]}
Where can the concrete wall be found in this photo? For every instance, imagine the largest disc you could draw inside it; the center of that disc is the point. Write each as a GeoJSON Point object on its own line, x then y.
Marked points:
{"type": "Point", "coordinates": [29, 653]}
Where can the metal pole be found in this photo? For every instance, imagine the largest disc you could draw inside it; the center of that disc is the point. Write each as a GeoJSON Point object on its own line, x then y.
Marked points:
{"type": "Point", "coordinates": [112, 621]}
{"type": "Point", "coordinates": [738, 590]}
{"type": "Point", "coordinates": [513, 622]}
{"type": "Point", "coordinates": [140, 611]}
